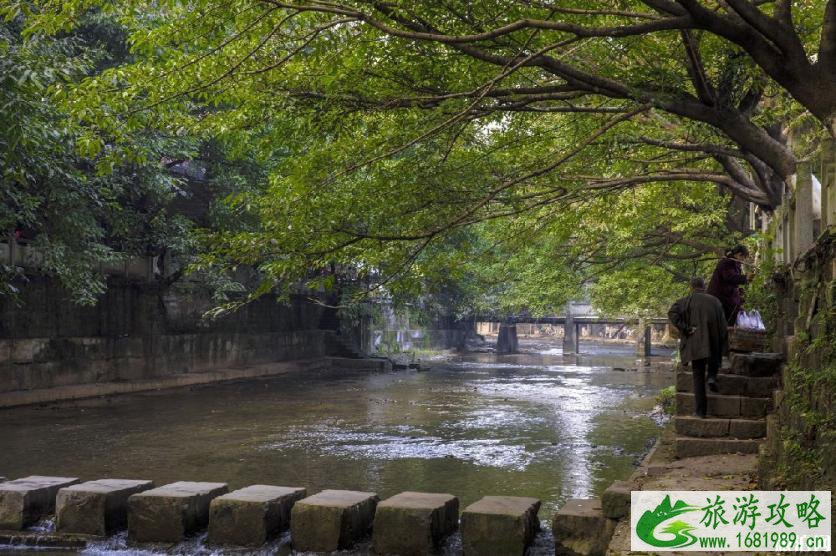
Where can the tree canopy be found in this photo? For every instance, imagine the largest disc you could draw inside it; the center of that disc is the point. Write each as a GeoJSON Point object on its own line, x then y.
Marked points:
{"type": "Point", "coordinates": [523, 148]}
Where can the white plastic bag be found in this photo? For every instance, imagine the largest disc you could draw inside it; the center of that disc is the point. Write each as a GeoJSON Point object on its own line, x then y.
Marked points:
{"type": "Point", "coordinates": [750, 320]}
{"type": "Point", "coordinates": [757, 321]}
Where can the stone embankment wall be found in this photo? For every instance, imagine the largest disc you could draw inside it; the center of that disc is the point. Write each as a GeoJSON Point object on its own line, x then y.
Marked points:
{"type": "Point", "coordinates": [140, 330]}
{"type": "Point", "coordinates": [801, 433]}
{"type": "Point", "coordinates": [801, 436]}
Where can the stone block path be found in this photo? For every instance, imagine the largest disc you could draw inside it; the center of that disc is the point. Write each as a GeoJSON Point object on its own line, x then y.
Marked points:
{"type": "Point", "coordinates": [331, 520]}
{"type": "Point", "coordinates": [169, 513]}
{"type": "Point", "coordinates": [736, 421]}
{"type": "Point", "coordinates": [252, 515]}
{"type": "Point", "coordinates": [414, 523]}
{"type": "Point", "coordinates": [96, 507]}
{"type": "Point", "coordinates": [499, 525]}
{"type": "Point", "coordinates": [25, 501]}
{"type": "Point", "coordinates": [580, 527]}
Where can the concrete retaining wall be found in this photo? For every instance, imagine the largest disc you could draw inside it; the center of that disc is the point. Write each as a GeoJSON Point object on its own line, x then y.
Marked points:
{"type": "Point", "coordinates": [142, 331]}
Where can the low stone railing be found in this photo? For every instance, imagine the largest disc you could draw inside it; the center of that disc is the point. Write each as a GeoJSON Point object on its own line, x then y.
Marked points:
{"type": "Point", "coordinates": [407, 523]}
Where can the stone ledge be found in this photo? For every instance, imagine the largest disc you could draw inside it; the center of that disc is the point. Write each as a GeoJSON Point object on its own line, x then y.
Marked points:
{"type": "Point", "coordinates": [92, 390]}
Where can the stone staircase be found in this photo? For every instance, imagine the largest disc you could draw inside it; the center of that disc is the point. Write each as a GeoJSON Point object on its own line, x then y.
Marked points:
{"type": "Point", "coordinates": [736, 420]}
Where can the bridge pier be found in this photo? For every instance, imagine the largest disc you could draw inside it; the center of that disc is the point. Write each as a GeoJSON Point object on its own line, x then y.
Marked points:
{"type": "Point", "coordinates": [506, 340]}
{"type": "Point", "coordinates": [571, 342]}
{"type": "Point", "coordinates": [643, 337]}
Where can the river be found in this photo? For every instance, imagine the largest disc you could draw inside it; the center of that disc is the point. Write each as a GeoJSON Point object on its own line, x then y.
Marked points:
{"type": "Point", "coordinates": [534, 424]}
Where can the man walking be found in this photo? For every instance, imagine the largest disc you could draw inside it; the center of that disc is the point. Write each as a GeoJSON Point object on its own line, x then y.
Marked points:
{"type": "Point", "coordinates": [701, 322]}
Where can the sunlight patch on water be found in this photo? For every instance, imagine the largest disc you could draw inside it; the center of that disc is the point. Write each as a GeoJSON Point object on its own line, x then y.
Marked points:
{"type": "Point", "coordinates": [386, 446]}
{"type": "Point", "coordinates": [491, 365]}
{"type": "Point", "coordinates": [497, 417]}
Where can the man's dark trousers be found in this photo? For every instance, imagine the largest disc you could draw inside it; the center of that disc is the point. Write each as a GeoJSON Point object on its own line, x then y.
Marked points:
{"type": "Point", "coordinates": [698, 368]}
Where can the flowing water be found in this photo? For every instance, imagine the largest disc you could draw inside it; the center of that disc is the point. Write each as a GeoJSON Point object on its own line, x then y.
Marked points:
{"type": "Point", "coordinates": [533, 424]}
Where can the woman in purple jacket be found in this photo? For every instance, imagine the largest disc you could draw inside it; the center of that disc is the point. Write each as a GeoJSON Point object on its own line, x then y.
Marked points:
{"type": "Point", "coordinates": [726, 281]}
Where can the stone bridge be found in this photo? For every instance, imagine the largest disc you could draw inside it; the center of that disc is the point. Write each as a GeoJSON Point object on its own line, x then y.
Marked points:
{"type": "Point", "coordinates": [577, 315]}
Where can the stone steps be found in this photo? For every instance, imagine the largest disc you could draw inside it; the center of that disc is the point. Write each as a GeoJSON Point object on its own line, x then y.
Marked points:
{"type": "Point", "coordinates": [720, 428]}
{"type": "Point", "coordinates": [755, 364]}
{"type": "Point", "coordinates": [732, 385]}
{"type": "Point", "coordinates": [729, 407]}
{"type": "Point", "coordinates": [736, 420]}
{"type": "Point", "coordinates": [688, 446]}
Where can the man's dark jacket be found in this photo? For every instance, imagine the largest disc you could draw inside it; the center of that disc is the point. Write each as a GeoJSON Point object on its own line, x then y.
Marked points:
{"type": "Point", "coordinates": [702, 327]}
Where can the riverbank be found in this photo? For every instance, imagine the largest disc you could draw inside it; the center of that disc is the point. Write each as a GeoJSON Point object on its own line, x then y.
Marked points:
{"type": "Point", "coordinates": [661, 470]}
{"type": "Point", "coordinates": [112, 388]}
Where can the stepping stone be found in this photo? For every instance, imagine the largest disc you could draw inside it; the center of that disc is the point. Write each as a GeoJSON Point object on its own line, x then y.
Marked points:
{"type": "Point", "coordinates": [580, 528]}
{"type": "Point", "coordinates": [96, 507]}
{"type": "Point", "coordinates": [331, 520]}
{"type": "Point", "coordinates": [615, 501]}
{"type": "Point", "coordinates": [414, 523]}
{"type": "Point", "coordinates": [171, 512]}
{"type": "Point", "coordinates": [251, 516]}
{"type": "Point", "coordinates": [687, 447]}
{"type": "Point", "coordinates": [499, 525]}
{"type": "Point", "coordinates": [25, 501]}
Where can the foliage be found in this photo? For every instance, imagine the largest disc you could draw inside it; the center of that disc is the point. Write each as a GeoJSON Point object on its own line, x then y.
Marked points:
{"type": "Point", "coordinates": [75, 204]}
{"type": "Point", "coordinates": [484, 155]}
{"type": "Point", "coordinates": [72, 218]}
{"type": "Point", "coordinates": [666, 399]}
{"type": "Point", "coordinates": [761, 292]}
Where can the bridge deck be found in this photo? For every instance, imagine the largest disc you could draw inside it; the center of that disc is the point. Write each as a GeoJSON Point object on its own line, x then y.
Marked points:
{"type": "Point", "coordinates": [562, 320]}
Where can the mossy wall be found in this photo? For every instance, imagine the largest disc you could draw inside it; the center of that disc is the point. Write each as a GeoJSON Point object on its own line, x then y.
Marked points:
{"type": "Point", "coordinates": [800, 451]}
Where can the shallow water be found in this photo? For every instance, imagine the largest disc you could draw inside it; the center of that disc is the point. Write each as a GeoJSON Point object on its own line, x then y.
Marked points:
{"type": "Point", "coordinates": [534, 424]}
